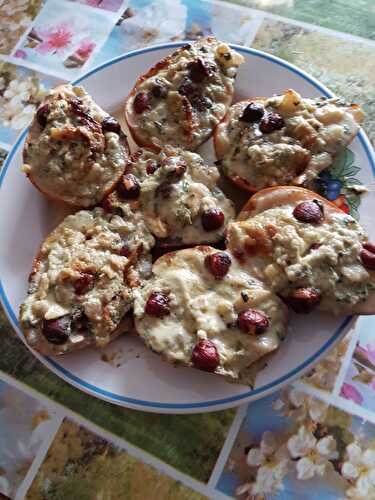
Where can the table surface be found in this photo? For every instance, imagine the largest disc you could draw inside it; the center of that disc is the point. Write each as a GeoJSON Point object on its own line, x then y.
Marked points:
{"type": "Point", "coordinates": [315, 439]}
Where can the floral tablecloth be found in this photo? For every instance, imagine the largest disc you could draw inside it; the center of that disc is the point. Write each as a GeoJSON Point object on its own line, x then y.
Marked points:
{"type": "Point", "coordinates": [315, 439]}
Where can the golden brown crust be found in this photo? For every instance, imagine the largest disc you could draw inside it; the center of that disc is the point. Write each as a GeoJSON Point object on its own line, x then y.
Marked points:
{"type": "Point", "coordinates": [138, 139]}
{"type": "Point", "coordinates": [34, 132]}
{"type": "Point", "coordinates": [280, 195]}
{"type": "Point", "coordinates": [222, 145]}
{"type": "Point", "coordinates": [276, 196]}
{"type": "Point", "coordinates": [66, 203]}
{"type": "Point", "coordinates": [243, 184]}
{"type": "Point", "coordinates": [47, 349]}
{"type": "Point", "coordinates": [182, 276]}
{"type": "Point", "coordinates": [188, 121]}
{"type": "Point", "coordinates": [114, 294]}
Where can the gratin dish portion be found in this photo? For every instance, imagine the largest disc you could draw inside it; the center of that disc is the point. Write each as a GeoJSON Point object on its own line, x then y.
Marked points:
{"type": "Point", "coordinates": [178, 195]}
{"type": "Point", "coordinates": [75, 152]}
{"type": "Point", "coordinates": [83, 278]}
{"type": "Point", "coordinates": [285, 139]}
{"type": "Point", "coordinates": [201, 309]}
{"type": "Point", "coordinates": [307, 250]}
{"type": "Point", "coordinates": [183, 97]}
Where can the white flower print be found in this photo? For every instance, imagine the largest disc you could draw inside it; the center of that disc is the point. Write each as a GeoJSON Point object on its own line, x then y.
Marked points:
{"type": "Point", "coordinates": [259, 456]}
{"type": "Point", "coordinates": [273, 465]}
{"type": "Point", "coordinates": [15, 17]}
{"type": "Point", "coordinates": [313, 454]}
{"type": "Point", "coordinates": [270, 477]}
{"type": "Point", "coordinates": [18, 102]}
{"type": "Point", "coordinates": [299, 406]}
{"type": "Point", "coordinates": [18, 89]}
{"type": "Point", "coordinates": [26, 422]}
{"type": "Point", "coordinates": [323, 375]}
{"type": "Point", "coordinates": [317, 409]}
{"type": "Point", "coordinates": [23, 119]}
{"type": "Point", "coordinates": [359, 469]}
{"type": "Point", "coordinates": [157, 22]}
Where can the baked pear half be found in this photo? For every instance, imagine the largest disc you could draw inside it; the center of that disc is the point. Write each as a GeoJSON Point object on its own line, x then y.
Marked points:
{"type": "Point", "coordinates": [178, 195]}
{"type": "Point", "coordinates": [201, 309]}
{"type": "Point", "coordinates": [283, 140]}
{"type": "Point", "coordinates": [82, 281]}
{"type": "Point", "coordinates": [307, 250]}
{"type": "Point", "coordinates": [182, 98]}
{"type": "Point", "coordinates": [75, 152]}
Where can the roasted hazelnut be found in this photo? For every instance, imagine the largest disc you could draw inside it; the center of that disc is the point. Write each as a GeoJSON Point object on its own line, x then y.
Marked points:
{"type": "Point", "coordinates": [205, 356]}
{"type": "Point", "coordinates": [252, 113]}
{"type": "Point", "coordinates": [42, 115]}
{"type": "Point", "coordinates": [198, 70]}
{"type": "Point", "coordinates": [110, 124]}
{"type": "Point", "coordinates": [128, 187]}
{"type": "Point", "coordinates": [141, 102]}
{"type": "Point", "coordinates": [252, 321]}
{"type": "Point", "coordinates": [157, 305]}
{"type": "Point", "coordinates": [218, 264]}
{"type": "Point", "coordinates": [212, 219]}
{"type": "Point", "coordinates": [271, 122]}
{"type": "Point", "coordinates": [303, 300]}
{"type": "Point", "coordinates": [310, 212]}
{"type": "Point", "coordinates": [57, 331]}
{"type": "Point", "coordinates": [84, 283]}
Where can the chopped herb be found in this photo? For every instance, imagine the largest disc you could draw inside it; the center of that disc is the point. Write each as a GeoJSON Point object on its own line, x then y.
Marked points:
{"type": "Point", "coordinates": [159, 126]}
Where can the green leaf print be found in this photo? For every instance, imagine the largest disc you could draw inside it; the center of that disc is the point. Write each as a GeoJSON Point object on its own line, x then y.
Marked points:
{"type": "Point", "coordinates": [343, 165]}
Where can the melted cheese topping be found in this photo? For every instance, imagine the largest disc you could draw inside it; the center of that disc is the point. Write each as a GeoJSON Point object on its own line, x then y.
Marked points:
{"type": "Point", "coordinates": [87, 242]}
{"type": "Point", "coordinates": [286, 253]}
{"type": "Point", "coordinates": [182, 118]}
{"type": "Point", "coordinates": [202, 307]}
{"type": "Point", "coordinates": [314, 132]}
{"type": "Point", "coordinates": [71, 158]}
{"type": "Point", "coordinates": [173, 204]}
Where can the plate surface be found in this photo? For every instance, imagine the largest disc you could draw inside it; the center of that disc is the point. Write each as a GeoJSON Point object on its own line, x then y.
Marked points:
{"type": "Point", "coordinates": [131, 375]}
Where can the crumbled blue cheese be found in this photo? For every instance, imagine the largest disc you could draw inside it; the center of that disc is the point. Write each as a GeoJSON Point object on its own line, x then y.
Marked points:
{"type": "Point", "coordinates": [314, 131]}
{"type": "Point", "coordinates": [334, 267]}
{"type": "Point", "coordinates": [202, 307]}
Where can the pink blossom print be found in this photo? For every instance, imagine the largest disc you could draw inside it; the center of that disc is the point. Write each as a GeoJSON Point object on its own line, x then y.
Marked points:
{"type": "Point", "coordinates": [21, 54]}
{"type": "Point", "coordinates": [65, 34]}
{"type": "Point", "coordinates": [57, 40]}
{"type": "Point", "coordinates": [348, 391]}
{"type": "Point", "coordinates": [85, 48]}
{"type": "Point", "coordinates": [367, 352]}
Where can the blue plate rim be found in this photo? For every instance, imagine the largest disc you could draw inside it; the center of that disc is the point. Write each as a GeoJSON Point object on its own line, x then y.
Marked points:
{"type": "Point", "coordinates": [211, 404]}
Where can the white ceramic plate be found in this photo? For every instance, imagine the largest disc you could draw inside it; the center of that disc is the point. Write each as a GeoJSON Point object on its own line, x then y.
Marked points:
{"type": "Point", "coordinates": [141, 380]}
